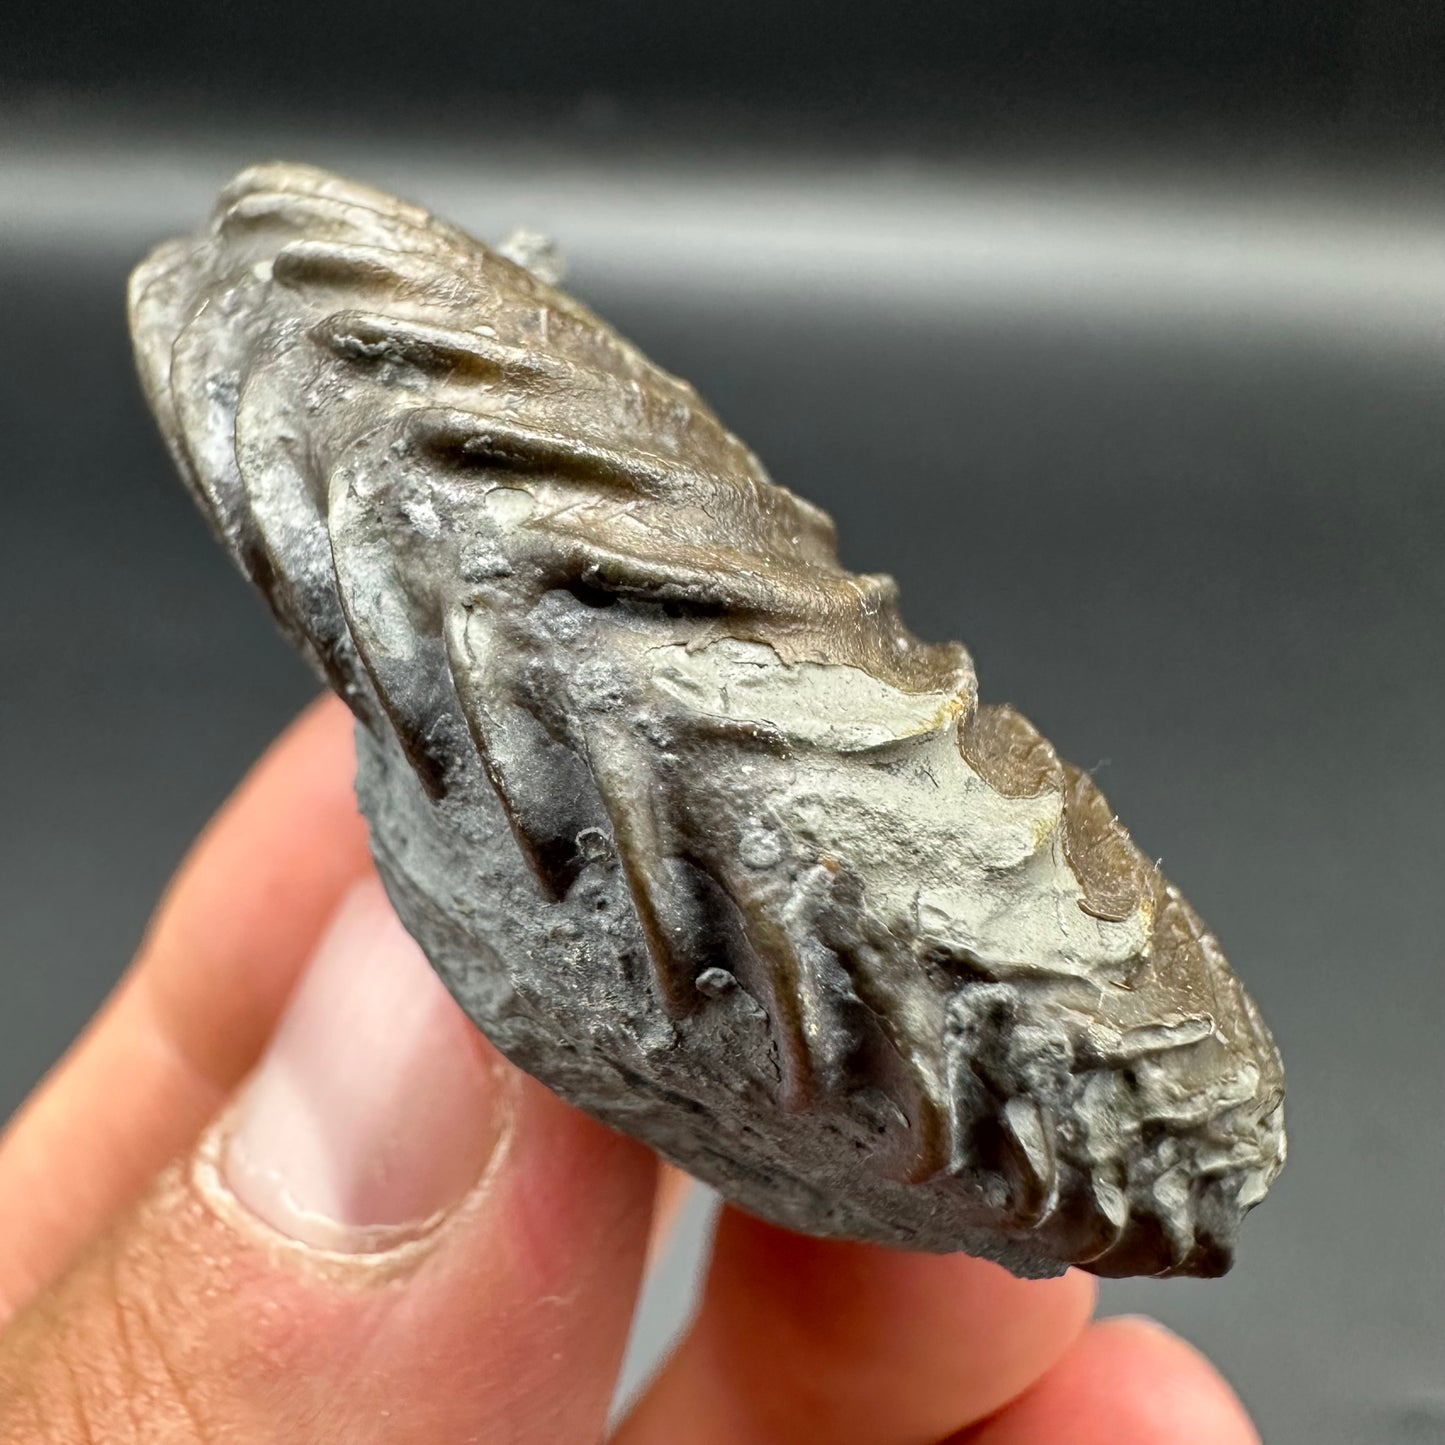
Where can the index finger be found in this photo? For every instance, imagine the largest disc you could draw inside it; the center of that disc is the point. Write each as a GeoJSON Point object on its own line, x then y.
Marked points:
{"type": "Point", "coordinates": [804, 1340]}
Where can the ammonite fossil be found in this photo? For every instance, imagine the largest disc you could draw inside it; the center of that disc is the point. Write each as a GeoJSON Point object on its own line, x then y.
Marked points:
{"type": "Point", "coordinates": [690, 824]}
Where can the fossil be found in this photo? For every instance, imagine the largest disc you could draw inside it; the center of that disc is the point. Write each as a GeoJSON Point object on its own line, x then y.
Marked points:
{"type": "Point", "coordinates": [691, 825]}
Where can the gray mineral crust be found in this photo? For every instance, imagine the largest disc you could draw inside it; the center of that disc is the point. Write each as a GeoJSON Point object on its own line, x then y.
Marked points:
{"type": "Point", "coordinates": [691, 825]}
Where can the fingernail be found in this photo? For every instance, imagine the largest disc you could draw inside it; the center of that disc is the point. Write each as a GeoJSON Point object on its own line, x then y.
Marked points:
{"type": "Point", "coordinates": [375, 1107]}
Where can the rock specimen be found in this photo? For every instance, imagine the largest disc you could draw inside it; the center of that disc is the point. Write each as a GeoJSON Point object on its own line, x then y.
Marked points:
{"type": "Point", "coordinates": [690, 824]}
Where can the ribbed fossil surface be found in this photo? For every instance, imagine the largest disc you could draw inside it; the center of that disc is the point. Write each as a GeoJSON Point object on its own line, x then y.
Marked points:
{"type": "Point", "coordinates": [691, 825]}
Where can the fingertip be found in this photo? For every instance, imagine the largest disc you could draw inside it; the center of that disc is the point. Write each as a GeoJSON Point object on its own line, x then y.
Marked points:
{"type": "Point", "coordinates": [1176, 1382]}
{"type": "Point", "coordinates": [810, 1338]}
{"type": "Point", "coordinates": [933, 1300]}
{"type": "Point", "coordinates": [1127, 1381]}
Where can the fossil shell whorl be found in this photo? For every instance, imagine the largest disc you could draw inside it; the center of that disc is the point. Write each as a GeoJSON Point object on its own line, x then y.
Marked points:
{"type": "Point", "coordinates": [689, 822]}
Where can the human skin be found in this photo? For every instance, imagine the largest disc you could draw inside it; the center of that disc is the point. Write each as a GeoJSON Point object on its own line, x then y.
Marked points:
{"type": "Point", "coordinates": [280, 1190]}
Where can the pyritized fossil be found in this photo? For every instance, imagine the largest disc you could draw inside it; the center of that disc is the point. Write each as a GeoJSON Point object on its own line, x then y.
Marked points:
{"type": "Point", "coordinates": [690, 824]}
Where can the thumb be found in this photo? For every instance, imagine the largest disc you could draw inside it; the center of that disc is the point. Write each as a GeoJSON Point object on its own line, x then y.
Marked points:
{"type": "Point", "coordinates": [390, 1236]}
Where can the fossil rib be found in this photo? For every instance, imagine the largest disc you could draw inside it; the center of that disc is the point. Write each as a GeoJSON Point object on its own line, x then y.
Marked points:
{"type": "Point", "coordinates": [688, 821]}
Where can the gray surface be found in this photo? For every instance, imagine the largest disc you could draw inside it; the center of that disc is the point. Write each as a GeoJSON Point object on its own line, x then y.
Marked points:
{"type": "Point", "coordinates": [1261, 482]}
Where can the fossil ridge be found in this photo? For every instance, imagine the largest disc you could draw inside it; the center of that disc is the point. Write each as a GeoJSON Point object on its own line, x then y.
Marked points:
{"type": "Point", "coordinates": [689, 822]}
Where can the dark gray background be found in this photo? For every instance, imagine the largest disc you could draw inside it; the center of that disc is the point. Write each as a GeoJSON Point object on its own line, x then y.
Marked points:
{"type": "Point", "coordinates": [1118, 340]}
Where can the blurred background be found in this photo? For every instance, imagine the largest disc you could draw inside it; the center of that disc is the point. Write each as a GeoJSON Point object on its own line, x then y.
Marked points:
{"type": "Point", "coordinates": [1114, 331]}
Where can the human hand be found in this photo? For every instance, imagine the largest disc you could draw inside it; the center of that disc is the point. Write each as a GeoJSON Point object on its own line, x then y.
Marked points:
{"type": "Point", "coordinates": [281, 1191]}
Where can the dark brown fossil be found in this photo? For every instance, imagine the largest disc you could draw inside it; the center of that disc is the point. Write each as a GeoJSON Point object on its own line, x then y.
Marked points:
{"type": "Point", "coordinates": [688, 821]}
